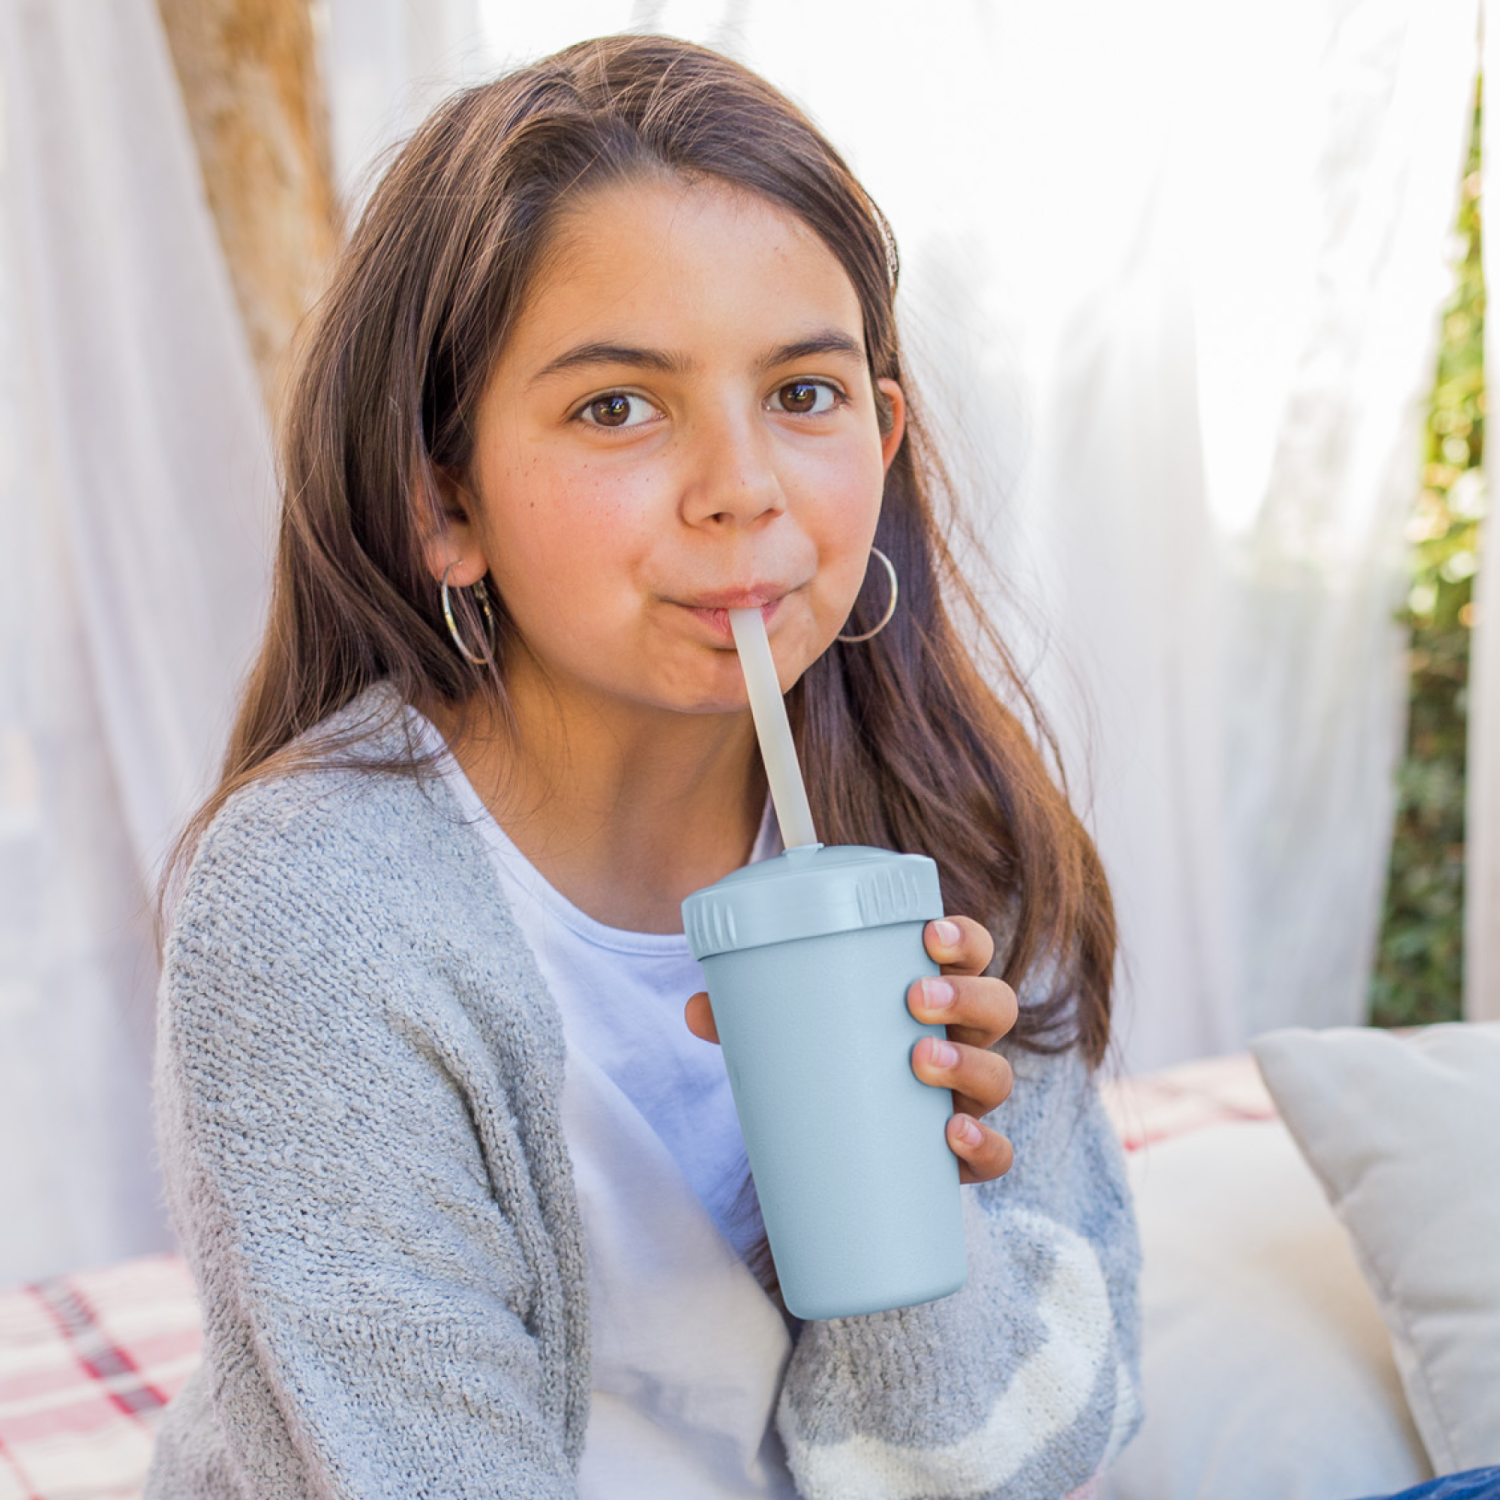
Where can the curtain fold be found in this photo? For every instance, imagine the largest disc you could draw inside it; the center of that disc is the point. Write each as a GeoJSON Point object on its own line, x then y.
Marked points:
{"type": "Point", "coordinates": [387, 62]}
{"type": "Point", "coordinates": [139, 476]}
{"type": "Point", "coordinates": [1316, 658]}
{"type": "Point", "coordinates": [1137, 585]}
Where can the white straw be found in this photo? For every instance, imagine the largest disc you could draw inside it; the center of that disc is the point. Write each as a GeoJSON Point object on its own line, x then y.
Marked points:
{"type": "Point", "coordinates": [767, 708]}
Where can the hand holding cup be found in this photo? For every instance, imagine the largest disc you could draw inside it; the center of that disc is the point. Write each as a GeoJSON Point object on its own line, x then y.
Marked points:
{"type": "Point", "coordinates": [977, 1011]}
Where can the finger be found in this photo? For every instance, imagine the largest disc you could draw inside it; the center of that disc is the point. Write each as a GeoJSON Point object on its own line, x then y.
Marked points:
{"type": "Point", "coordinates": [980, 1080]}
{"type": "Point", "coordinates": [960, 944]}
{"type": "Point", "coordinates": [976, 1008]}
{"type": "Point", "coordinates": [983, 1154]}
{"type": "Point", "coordinates": [700, 1017]}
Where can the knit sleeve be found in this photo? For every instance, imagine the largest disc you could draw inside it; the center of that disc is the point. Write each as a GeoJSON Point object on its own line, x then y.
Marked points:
{"type": "Point", "coordinates": [347, 1160]}
{"type": "Point", "coordinates": [1024, 1384]}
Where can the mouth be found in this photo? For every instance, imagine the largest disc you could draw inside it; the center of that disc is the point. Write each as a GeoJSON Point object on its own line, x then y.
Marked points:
{"type": "Point", "coordinates": [713, 609]}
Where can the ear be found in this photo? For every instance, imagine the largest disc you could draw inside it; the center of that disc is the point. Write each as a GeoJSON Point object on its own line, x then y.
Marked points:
{"type": "Point", "coordinates": [890, 439]}
{"type": "Point", "coordinates": [449, 537]}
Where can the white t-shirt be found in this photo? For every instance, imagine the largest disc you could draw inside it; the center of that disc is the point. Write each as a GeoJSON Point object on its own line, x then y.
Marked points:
{"type": "Point", "coordinates": [688, 1348]}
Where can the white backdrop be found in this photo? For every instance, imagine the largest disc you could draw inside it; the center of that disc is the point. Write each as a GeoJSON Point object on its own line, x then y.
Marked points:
{"type": "Point", "coordinates": [1173, 273]}
{"type": "Point", "coordinates": [135, 505]}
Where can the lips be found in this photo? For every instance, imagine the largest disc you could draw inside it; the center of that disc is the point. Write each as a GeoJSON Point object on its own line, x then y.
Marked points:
{"type": "Point", "coordinates": [754, 597]}
{"type": "Point", "coordinates": [713, 608]}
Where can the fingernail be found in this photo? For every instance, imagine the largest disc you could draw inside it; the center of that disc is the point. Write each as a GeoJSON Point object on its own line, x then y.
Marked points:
{"type": "Point", "coordinates": [947, 933]}
{"type": "Point", "coordinates": [968, 1131]}
{"type": "Point", "coordinates": [937, 994]}
{"type": "Point", "coordinates": [943, 1054]}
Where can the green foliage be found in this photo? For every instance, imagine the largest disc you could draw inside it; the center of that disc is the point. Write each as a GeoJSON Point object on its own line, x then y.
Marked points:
{"type": "Point", "coordinates": [1419, 970]}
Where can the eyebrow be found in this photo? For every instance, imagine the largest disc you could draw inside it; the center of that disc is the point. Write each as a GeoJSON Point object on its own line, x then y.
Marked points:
{"type": "Point", "coordinates": [829, 341]}
{"type": "Point", "coordinates": [826, 341]}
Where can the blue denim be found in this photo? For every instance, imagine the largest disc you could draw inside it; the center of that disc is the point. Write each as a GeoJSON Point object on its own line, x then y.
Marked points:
{"type": "Point", "coordinates": [1472, 1484]}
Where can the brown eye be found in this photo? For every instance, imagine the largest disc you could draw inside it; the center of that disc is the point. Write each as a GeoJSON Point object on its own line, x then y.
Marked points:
{"type": "Point", "coordinates": [610, 411]}
{"type": "Point", "coordinates": [617, 409]}
{"type": "Point", "coordinates": [806, 397]}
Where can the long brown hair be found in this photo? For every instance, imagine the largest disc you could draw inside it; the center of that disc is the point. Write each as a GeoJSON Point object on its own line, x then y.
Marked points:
{"type": "Point", "coordinates": [904, 743]}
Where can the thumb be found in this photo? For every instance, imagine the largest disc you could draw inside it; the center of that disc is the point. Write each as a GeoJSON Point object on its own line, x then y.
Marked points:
{"type": "Point", "coordinates": [700, 1017]}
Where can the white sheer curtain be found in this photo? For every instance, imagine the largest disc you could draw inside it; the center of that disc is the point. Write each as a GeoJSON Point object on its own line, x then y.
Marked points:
{"type": "Point", "coordinates": [135, 503]}
{"type": "Point", "coordinates": [1317, 700]}
{"type": "Point", "coordinates": [386, 64]}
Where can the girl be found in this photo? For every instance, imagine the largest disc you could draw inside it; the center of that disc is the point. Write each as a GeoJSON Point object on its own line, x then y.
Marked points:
{"type": "Point", "coordinates": [448, 1144]}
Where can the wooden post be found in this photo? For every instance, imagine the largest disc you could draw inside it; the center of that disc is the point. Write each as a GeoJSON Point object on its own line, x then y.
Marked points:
{"type": "Point", "coordinates": [249, 76]}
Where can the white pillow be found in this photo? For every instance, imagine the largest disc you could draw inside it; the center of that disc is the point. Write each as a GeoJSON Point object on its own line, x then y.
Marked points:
{"type": "Point", "coordinates": [1404, 1133]}
{"type": "Point", "coordinates": [1267, 1371]}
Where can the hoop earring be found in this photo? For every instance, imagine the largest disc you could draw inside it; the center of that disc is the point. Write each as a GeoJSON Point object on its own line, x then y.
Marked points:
{"type": "Point", "coordinates": [890, 608]}
{"type": "Point", "coordinates": [482, 598]}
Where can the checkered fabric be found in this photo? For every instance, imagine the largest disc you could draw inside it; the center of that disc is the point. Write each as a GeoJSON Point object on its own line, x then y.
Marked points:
{"type": "Point", "coordinates": [87, 1364]}
{"type": "Point", "coordinates": [89, 1361]}
{"type": "Point", "coordinates": [1212, 1091]}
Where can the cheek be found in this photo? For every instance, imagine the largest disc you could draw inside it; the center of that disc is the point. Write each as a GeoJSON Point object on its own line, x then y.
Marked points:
{"type": "Point", "coordinates": [553, 537]}
{"type": "Point", "coordinates": [846, 496]}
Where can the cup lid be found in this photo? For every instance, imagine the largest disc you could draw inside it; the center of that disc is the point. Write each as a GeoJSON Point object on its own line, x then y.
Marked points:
{"type": "Point", "coordinates": [808, 891]}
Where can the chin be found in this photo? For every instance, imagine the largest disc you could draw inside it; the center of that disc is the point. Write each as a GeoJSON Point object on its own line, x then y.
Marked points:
{"type": "Point", "coordinates": [713, 703]}
{"type": "Point", "coordinates": [719, 692]}
{"type": "Point", "coordinates": [707, 682]}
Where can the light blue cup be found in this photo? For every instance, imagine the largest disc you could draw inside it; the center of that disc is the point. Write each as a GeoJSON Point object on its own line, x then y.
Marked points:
{"type": "Point", "coordinates": [808, 958]}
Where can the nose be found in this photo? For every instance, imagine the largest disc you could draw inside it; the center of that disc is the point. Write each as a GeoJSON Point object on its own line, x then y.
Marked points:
{"type": "Point", "coordinates": [730, 478]}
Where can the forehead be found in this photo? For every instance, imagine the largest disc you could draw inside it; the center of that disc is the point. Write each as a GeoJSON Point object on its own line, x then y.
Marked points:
{"type": "Point", "coordinates": [702, 267]}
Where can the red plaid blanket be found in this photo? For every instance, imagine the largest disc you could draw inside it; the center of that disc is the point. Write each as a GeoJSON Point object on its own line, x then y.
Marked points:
{"type": "Point", "coordinates": [89, 1361]}
{"type": "Point", "coordinates": [1211, 1091]}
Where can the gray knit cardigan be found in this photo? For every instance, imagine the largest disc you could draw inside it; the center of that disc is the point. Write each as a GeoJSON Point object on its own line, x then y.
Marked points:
{"type": "Point", "coordinates": [358, 1085]}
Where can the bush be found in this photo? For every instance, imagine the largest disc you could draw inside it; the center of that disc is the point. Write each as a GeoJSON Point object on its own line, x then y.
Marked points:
{"type": "Point", "coordinates": [1419, 969]}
